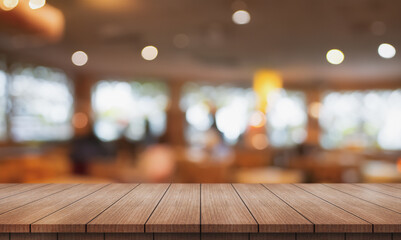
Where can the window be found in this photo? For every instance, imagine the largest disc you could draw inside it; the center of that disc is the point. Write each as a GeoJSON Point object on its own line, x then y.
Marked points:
{"type": "Point", "coordinates": [42, 105]}
{"type": "Point", "coordinates": [286, 118]}
{"type": "Point", "coordinates": [367, 119]}
{"type": "Point", "coordinates": [228, 107]}
{"type": "Point", "coordinates": [126, 108]}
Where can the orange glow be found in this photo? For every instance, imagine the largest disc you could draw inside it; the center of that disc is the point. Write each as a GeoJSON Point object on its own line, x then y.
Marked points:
{"type": "Point", "coordinates": [399, 165]}
{"type": "Point", "coordinates": [257, 119]}
{"type": "Point", "coordinates": [80, 120]}
{"type": "Point", "coordinates": [259, 141]}
{"type": "Point", "coordinates": [264, 83]}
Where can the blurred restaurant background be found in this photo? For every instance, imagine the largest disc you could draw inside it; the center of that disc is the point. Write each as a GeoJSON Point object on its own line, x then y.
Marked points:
{"type": "Point", "coordinates": [200, 91]}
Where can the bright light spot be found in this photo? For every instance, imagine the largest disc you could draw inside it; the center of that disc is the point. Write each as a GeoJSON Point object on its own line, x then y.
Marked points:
{"type": "Point", "coordinates": [149, 53]}
{"type": "Point", "coordinates": [241, 17]}
{"type": "Point", "coordinates": [386, 50]}
{"type": "Point", "coordinates": [314, 109]}
{"type": "Point", "coordinates": [79, 58]}
{"type": "Point", "coordinates": [199, 117]}
{"type": "Point", "coordinates": [257, 119]}
{"type": "Point", "coordinates": [80, 120]}
{"type": "Point", "coordinates": [36, 4]}
{"type": "Point", "coordinates": [8, 5]}
{"type": "Point", "coordinates": [335, 56]}
{"type": "Point", "coordinates": [181, 40]}
{"type": "Point", "coordinates": [259, 141]}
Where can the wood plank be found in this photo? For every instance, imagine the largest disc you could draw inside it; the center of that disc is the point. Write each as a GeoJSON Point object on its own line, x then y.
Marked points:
{"type": "Point", "coordinates": [131, 212]}
{"type": "Point", "coordinates": [129, 236]}
{"type": "Point", "coordinates": [18, 188]}
{"type": "Point", "coordinates": [368, 236]}
{"type": "Point", "coordinates": [80, 236]}
{"type": "Point", "coordinates": [4, 236]}
{"type": "Point", "coordinates": [177, 236]}
{"type": "Point", "coordinates": [178, 211]}
{"type": "Point", "coordinates": [383, 220]}
{"type": "Point", "coordinates": [19, 220]}
{"type": "Point", "coordinates": [271, 213]}
{"type": "Point", "coordinates": [394, 185]}
{"type": "Point", "coordinates": [6, 185]}
{"type": "Point", "coordinates": [13, 202]}
{"type": "Point", "coordinates": [75, 217]}
{"type": "Point", "coordinates": [321, 236]}
{"type": "Point", "coordinates": [223, 211]}
{"type": "Point", "coordinates": [380, 199]}
{"type": "Point", "coordinates": [272, 236]}
{"type": "Point", "coordinates": [326, 217]}
{"type": "Point", "coordinates": [225, 236]}
{"type": "Point", "coordinates": [33, 236]}
{"type": "Point", "coordinates": [381, 188]}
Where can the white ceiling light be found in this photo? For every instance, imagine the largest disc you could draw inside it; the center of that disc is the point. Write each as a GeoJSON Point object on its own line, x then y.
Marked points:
{"type": "Point", "coordinates": [36, 4]}
{"type": "Point", "coordinates": [79, 58]}
{"type": "Point", "coordinates": [335, 56]}
{"type": "Point", "coordinates": [386, 50]}
{"type": "Point", "coordinates": [241, 17]}
{"type": "Point", "coordinates": [149, 53]}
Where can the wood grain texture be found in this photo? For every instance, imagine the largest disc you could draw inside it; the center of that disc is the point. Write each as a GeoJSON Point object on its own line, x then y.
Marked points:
{"type": "Point", "coordinates": [381, 188]}
{"type": "Point", "coordinates": [380, 199]}
{"type": "Point", "coordinates": [74, 217]}
{"type": "Point", "coordinates": [271, 213]}
{"type": "Point", "coordinates": [4, 236]}
{"type": "Point", "coordinates": [16, 189]}
{"type": "Point", "coordinates": [325, 216]}
{"type": "Point", "coordinates": [24, 198]}
{"type": "Point", "coordinates": [225, 236]}
{"type": "Point", "coordinates": [383, 220]}
{"type": "Point", "coordinates": [223, 211]}
{"type": "Point", "coordinates": [272, 236]}
{"type": "Point", "coordinates": [320, 236]}
{"type": "Point", "coordinates": [394, 185]}
{"type": "Point", "coordinates": [129, 236]}
{"type": "Point", "coordinates": [33, 236]}
{"type": "Point", "coordinates": [131, 212]}
{"type": "Point", "coordinates": [178, 211]}
{"type": "Point", "coordinates": [6, 185]}
{"type": "Point", "coordinates": [176, 236]}
{"type": "Point", "coordinates": [19, 220]}
{"type": "Point", "coordinates": [368, 236]}
{"type": "Point", "coordinates": [80, 236]}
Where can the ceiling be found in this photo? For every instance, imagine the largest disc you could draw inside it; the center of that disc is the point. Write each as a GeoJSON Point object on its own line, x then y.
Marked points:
{"type": "Point", "coordinates": [291, 36]}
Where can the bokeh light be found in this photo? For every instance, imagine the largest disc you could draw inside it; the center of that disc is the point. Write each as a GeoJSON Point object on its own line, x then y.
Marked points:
{"type": "Point", "coordinates": [36, 4]}
{"type": "Point", "coordinates": [241, 17]}
{"type": "Point", "coordinates": [79, 58]}
{"type": "Point", "coordinates": [8, 5]}
{"type": "Point", "coordinates": [335, 56]}
{"type": "Point", "coordinates": [149, 53]}
{"type": "Point", "coordinates": [386, 50]}
{"type": "Point", "coordinates": [80, 120]}
{"type": "Point", "coordinates": [314, 109]}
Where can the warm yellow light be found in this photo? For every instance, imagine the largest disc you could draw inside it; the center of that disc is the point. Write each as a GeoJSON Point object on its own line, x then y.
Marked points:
{"type": "Point", "coordinates": [314, 109]}
{"type": "Point", "coordinates": [264, 83]}
{"type": "Point", "coordinates": [36, 4]}
{"type": "Point", "coordinates": [399, 165]}
{"type": "Point", "coordinates": [79, 58]}
{"type": "Point", "coordinates": [149, 53]}
{"type": "Point", "coordinates": [8, 5]}
{"type": "Point", "coordinates": [335, 56]}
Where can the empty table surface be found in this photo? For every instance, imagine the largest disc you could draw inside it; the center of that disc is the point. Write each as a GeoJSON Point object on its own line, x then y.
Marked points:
{"type": "Point", "coordinates": [200, 208]}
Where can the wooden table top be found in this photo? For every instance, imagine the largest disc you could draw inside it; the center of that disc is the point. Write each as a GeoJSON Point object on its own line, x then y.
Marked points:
{"type": "Point", "coordinates": [195, 208]}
